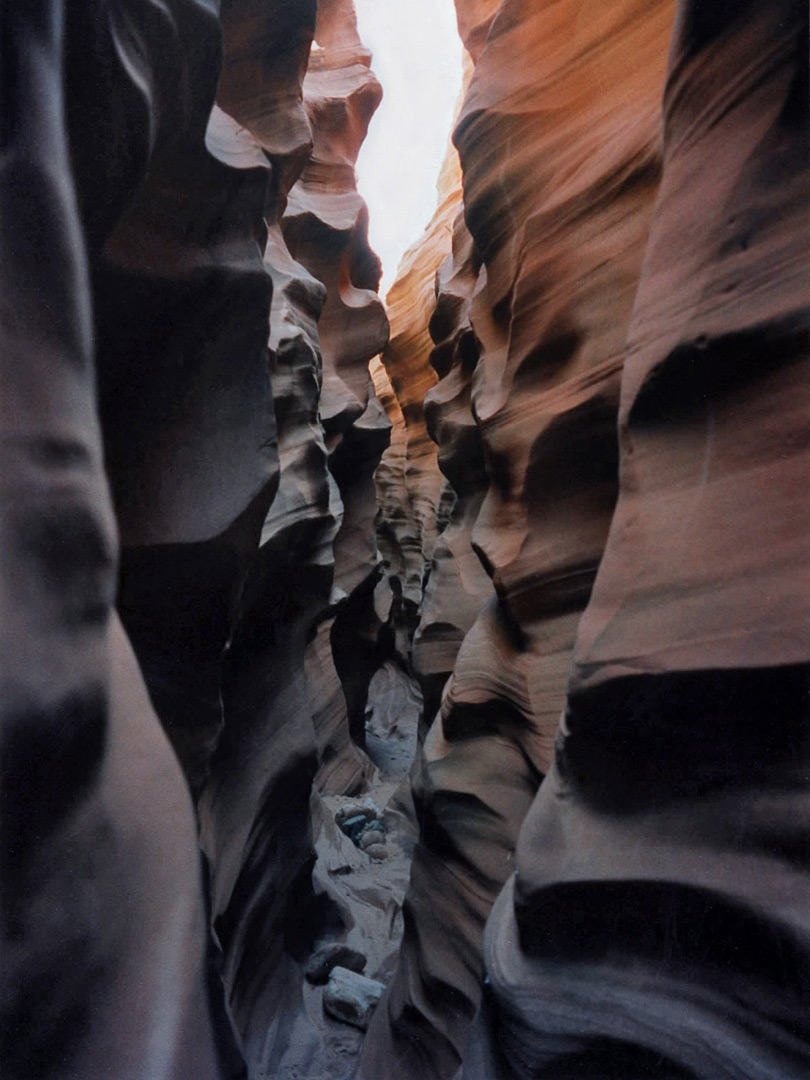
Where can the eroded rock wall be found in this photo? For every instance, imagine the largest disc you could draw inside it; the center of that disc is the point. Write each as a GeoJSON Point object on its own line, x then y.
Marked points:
{"type": "Point", "coordinates": [124, 302]}
{"type": "Point", "coordinates": [679, 791]}
{"type": "Point", "coordinates": [559, 140]}
{"type": "Point", "coordinates": [420, 490]}
{"type": "Point", "coordinates": [611, 302]}
{"type": "Point", "coordinates": [189, 308]}
{"type": "Point", "coordinates": [289, 705]}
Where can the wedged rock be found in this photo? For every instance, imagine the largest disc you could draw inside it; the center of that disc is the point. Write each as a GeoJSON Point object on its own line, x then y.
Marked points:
{"type": "Point", "coordinates": [366, 811]}
{"type": "Point", "coordinates": [351, 998]}
{"type": "Point", "coordinates": [377, 851]}
{"type": "Point", "coordinates": [362, 824]}
{"type": "Point", "coordinates": [320, 965]}
{"type": "Point", "coordinates": [372, 835]}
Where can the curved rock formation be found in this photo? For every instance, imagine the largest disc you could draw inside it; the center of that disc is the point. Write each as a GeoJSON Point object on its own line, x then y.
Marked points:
{"type": "Point", "coordinates": [287, 717]}
{"type": "Point", "coordinates": [595, 504]}
{"type": "Point", "coordinates": [158, 206]}
{"type": "Point", "coordinates": [325, 226]}
{"type": "Point", "coordinates": [530, 329]}
{"type": "Point", "coordinates": [103, 932]}
{"type": "Point", "coordinates": [458, 585]}
{"type": "Point", "coordinates": [678, 798]}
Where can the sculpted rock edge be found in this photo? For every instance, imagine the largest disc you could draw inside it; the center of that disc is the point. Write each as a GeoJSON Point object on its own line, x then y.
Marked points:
{"type": "Point", "coordinates": [188, 311]}
{"type": "Point", "coordinates": [553, 533]}
{"type": "Point", "coordinates": [619, 267]}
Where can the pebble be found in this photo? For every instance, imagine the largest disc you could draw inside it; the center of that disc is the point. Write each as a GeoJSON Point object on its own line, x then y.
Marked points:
{"type": "Point", "coordinates": [377, 851]}
{"type": "Point", "coordinates": [371, 836]}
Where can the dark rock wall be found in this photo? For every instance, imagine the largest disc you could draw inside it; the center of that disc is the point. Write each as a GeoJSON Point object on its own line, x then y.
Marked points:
{"type": "Point", "coordinates": [286, 708]}
{"type": "Point", "coordinates": [104, 117]}
{"type": "Point", "coordinates": [188, 311]}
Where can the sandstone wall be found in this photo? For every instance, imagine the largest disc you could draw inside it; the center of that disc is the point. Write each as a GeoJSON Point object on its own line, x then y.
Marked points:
{"type": "Point", "coordinates": [679, 761]}
{"type": "Point", "coordinates": [188, 313]}
{"type": "Point", "coordinates": [595, 505]}
{"type": "Point", "coordinates": [124, 303]}
{"type": "Point", "coordinates": [288, 710]}
{"type": "Point", "coordinates": [678, 796]}
{"type": "Point", "coordinates": [559, 140]}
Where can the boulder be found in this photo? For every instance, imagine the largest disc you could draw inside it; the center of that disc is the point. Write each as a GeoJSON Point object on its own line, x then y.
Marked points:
{"type": "Point", "coordinates": [351, 998]}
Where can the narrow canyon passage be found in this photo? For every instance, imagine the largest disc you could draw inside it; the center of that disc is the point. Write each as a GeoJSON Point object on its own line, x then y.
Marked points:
{"type": "Point", "coordinates": [407, 686]}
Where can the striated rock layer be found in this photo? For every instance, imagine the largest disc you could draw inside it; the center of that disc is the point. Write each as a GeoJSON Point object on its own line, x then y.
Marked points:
{"type": "Point", "coordinates": [559, 140]}
{"type": "Point", "coordinates": [586, 334]}
{"type": "Point", "coordinates": [188, 311]}
{"type": "Point", "coordinates": [595, 503]}
{"type": "Point", "coordinates": [678, 798]}
{"type": "Point", "coordinates": [409, 482]}
{"type": "Point", "coordinates": [288, 703]}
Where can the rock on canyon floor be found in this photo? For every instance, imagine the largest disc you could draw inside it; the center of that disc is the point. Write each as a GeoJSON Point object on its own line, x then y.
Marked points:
{"type": "Point", "coordinates": [371, 889]}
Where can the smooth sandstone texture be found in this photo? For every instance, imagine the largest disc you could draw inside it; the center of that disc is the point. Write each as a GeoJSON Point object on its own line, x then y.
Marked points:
{"type": "Point", "coordinates": [409, 484]}
{"type": "Point", "coordinates": [154, 318]}
{"type": "Point", "coordinates": [189, 435]}
{"type": "Point", "coordinates": [289, 703]}
{"type": "Point", "coordinates": [103, 932]}
{"type": "Point", "coordinates": [678, 798]}
{"type": "Point", "coordinates": [559, 140]}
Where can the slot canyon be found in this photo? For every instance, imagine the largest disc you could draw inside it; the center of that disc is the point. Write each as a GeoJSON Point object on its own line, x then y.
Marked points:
{"type": "Point", "coordinates": [411, 687]}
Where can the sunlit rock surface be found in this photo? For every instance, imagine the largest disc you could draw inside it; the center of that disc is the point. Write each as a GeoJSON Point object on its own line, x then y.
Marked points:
{"type": "Point", "coordinates": [658, 872]}
{"type": "Point", "coordinates": [559, 139]}
{"type": "Point", "coordinates": [411, 493]}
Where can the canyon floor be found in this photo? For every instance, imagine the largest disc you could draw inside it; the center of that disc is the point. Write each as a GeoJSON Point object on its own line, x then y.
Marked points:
{"type": "Point", "coordinates": [370, 890]}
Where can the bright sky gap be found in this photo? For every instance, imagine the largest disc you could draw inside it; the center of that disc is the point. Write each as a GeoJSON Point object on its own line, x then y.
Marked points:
{"type": "Point", "coordinates": [418, 60]}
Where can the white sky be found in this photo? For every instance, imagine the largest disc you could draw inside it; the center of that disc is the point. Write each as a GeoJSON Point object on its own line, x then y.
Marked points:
{"type": "Point", "coordinates": [418, 60]}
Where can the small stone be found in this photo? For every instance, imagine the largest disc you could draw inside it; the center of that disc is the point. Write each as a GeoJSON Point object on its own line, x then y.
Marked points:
{"type": "Point", "coordinates": [353, 820]}
{"type": "Point", "coordinates": [351, 998]}
{"type": "Point", "coordinates": [377, 851]}
{"type": "Point", "coordinates": [320, 964]}
{"type": "Point", "coordinates": [371, 836]}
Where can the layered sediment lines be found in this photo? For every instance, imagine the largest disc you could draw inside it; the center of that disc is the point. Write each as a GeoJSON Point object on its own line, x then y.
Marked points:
{"type": "Point", "coordinates": [409, 482]}
{"type": "Point", "coordinates": [592, 522]}
{"type": "Point", "coordinates": [678, 797]}
{"type": "Point", "coordinates": [289, 705]}
{"type": "Point", "coordinates": [189, 298]}
{"type": "Point", "coordinates": [559, 141]}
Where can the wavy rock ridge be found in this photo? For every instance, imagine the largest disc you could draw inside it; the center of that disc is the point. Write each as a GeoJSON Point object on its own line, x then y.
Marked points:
{"type": "Point", "coordinates": [595, 335]}
{"type": "Point", "coordinates": [211, 317]}
{"type": "Point", "coordinates": [592, 500]}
